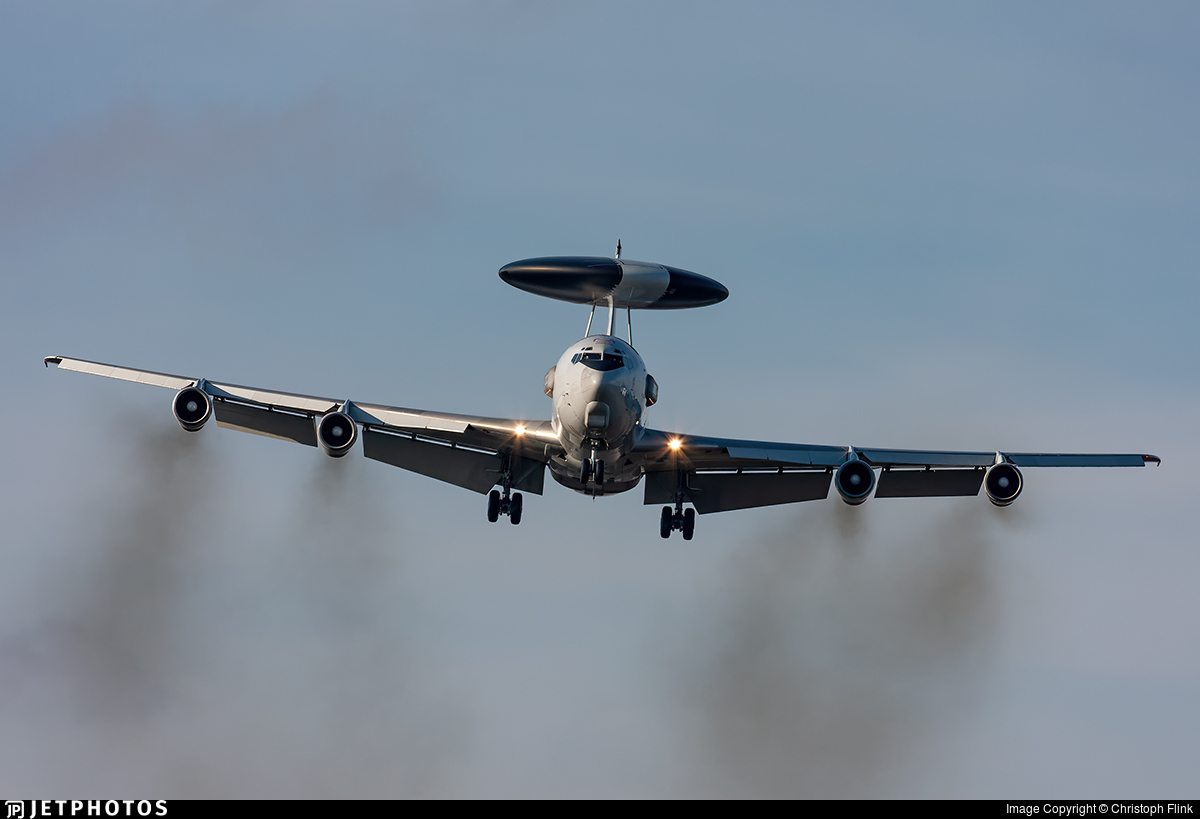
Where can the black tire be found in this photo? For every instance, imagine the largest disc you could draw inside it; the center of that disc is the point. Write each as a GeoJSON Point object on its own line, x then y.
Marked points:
{"type": "Point", "coordinates": [514, 509]}
{"type": "Point", "coordinates": [599, 472]}
{"type": "Point", "coordinates": [585, 471]}
{"type": "Point", "coordinates": [664, 526]}
{"type": "Point", "coordinates": [493, 506]}
{"type": "Point", "coordinates": [689, 523]}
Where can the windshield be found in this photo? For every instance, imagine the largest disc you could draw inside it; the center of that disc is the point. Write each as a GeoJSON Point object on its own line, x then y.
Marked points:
{"type": "Point", "coordinates": [599, 361]}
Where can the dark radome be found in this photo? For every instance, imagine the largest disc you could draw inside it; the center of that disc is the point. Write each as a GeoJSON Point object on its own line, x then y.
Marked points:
{"type": "Point", "coordinates": [688, 289]}
{"type": "Point", "coordinates": [580, 279]}
{"type": "Point", "coordinates": [590, 280]}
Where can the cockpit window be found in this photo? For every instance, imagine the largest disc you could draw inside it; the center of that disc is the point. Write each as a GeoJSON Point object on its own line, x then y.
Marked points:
{"type": "Point", "coordinates": [599, 361]}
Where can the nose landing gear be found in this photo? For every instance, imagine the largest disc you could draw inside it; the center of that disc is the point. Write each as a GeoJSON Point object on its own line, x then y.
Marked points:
{"type": "Point", "coordinates": [682, 519]}
{"type": "Point", "coordinates": [592, 471]}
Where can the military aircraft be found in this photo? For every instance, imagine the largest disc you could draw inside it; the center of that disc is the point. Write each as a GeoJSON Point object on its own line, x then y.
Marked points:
{"type": "Point", "coordinates": [596, 440]}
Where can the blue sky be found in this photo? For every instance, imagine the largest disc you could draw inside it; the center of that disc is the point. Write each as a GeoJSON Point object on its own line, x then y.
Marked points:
{"type": "Point", "coordinates": [941, 226]}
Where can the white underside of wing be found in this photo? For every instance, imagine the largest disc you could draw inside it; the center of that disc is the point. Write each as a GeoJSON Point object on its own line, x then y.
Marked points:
{"type": "Point", "coordinates": [407, 419]}
{"type": "Point", "coordinates": [283, 400]}
{"type": "Point", "coordinates": [175, 382]}
{"type": "Point", "coordinates": [375, 415]}
{"type": "Point", "coordinates": [698, 452]}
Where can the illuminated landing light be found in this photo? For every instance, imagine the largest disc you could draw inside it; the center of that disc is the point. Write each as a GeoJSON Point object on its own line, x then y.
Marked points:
{"type": "Point", "coordinates": [674, 443]}
{"type": "Point", "coordinates": [520, 429]}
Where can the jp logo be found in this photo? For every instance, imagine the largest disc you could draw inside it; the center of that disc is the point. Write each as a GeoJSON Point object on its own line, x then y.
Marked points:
{"type": "Point", "coordinates": [14, 808]}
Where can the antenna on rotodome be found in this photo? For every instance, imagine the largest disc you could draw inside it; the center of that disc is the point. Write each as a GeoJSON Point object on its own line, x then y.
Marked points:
{"type": "Point", "coordinates": [618, 248]}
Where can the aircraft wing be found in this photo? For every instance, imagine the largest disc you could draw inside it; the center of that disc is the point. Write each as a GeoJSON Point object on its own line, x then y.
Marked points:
{"type": "Point", "coordinates": [719, 474]}
{"type": "Point", "coordinates": [466, 450]}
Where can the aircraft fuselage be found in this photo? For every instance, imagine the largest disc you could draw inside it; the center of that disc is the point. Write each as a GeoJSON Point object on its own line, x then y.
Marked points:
{"type": "Point", "coordinates": [600, 395]}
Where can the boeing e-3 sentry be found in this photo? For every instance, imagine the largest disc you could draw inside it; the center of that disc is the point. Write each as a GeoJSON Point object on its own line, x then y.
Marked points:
{"type": "Point", "coordinates": [596, 440]}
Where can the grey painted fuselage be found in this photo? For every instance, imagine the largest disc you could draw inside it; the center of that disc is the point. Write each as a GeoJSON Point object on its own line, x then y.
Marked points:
{"type": "Point", "coordinates": [600, 395]}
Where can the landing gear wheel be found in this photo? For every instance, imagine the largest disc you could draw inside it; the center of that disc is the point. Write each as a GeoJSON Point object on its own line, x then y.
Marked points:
{"type": "Point", "coordinates": [514, 509]}
{"type": "Point", "coordinates": [585, 471]}
{"type": "Point", "coordinates": [493, 506]}
{"type": "Point", "coordinates": [599, 472]}
{"type": "Point", "coordinates": [689, 523]}
{"type": "Point", "coordinates": [665, 525]}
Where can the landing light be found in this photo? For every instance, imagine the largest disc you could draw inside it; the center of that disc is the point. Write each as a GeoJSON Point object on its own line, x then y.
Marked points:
{"type": "Point", "coordinates": [674, 443]}
{"type": "Point", "coordinates": [520, 429]}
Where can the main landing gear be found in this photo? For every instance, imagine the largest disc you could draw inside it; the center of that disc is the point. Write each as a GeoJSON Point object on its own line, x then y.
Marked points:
{"type": "Point", "coordinates": [507, 504]}
{"type": "Point", "coordinates": [681, 519]}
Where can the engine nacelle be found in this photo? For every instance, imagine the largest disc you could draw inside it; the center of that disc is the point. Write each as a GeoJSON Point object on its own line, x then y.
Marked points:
{"type": "Point", "coordinates": [1002, 484]}
{"type": "Point", "coordinates": [651, 390]}
{"type": "Point", "coordinates": [854, 481]}
{"type": "Point", "coordinates": [192, 408]}
{"type": "Point", "coordinates": [548, 382]}
{"type": "Point", "coordinates": [336, 433]}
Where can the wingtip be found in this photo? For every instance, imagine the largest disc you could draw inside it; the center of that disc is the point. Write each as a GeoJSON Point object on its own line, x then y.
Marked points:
{"type": "Point", "coordinates": [1152, 459]}
{"type": "Point", "coordinates": [52, 359]}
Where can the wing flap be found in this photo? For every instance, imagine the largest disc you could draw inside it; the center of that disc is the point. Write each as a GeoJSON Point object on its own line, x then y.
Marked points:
{"type": "Point", "coordinates": [1066, 459]}
{"type": "Point", "coordinates": [270, 423]}
{"type": "Point", "coordinates": [477, 471]}
{"type": "Point", "coordinates": [929, 483]}
{"type": "Point", "coordinates": [936, 458]}
{"type": "Point", "coordinates": [725, 491]}
{"type": "Point", "coordinates": [529, 475]}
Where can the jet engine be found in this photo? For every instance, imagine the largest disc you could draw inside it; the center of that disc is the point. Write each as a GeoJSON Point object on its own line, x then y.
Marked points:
{"type": "Point", "coordinates": [854, 481]}
{"type": "Point", "coordinates": [548, 382]}
{"type": "Point", "coordinates": [1002, 484]}
{"type": "Point", "coordinates": [192, 408]}
{"type": "Point", "coordinates": [336, 433]}
{"type": "Point", "coordinates": [651, 390]}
